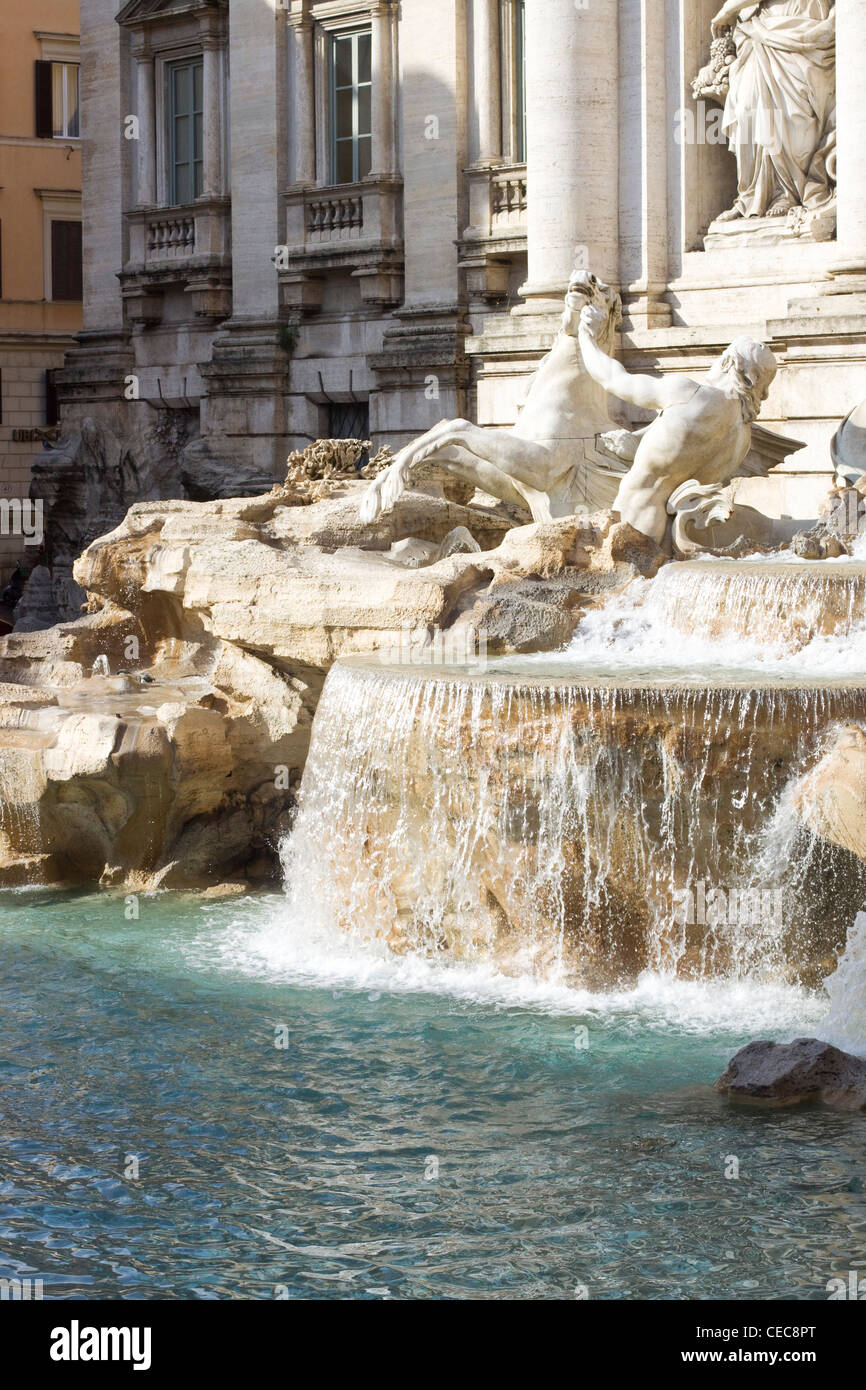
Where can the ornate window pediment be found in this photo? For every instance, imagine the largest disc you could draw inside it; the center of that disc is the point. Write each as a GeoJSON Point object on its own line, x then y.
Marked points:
{"type": "Point", "coordinates": [138, 11]}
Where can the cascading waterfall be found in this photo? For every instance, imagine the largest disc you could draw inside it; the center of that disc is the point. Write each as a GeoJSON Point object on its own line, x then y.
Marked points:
{"type": "Point", "coordinates": [784, 605]}
{"type": "Point", "coordinates": [577, 828]}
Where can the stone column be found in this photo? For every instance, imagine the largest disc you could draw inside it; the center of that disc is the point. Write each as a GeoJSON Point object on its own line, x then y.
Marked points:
{"type": "Point", "coordinates": [850, 268]}
{"type": "Point", "coordinates": [383, 104]}
{"type": "Point", "coordinates": [245, 406]}
{"type": "Point", "coordinates": [487, 90]}
{"type": "Point", "coordinates": [212, 119]}
{"type": "Point", "coordinates": [572, 145]}
{"type": "Point", "coordinates": [643, 174]}
{"type": "Point", "coordinates": [145, 101]}
{"type": "Point", "coordinates": [302, 125]}
{"type": "Point", "coordinates": [256, 157]}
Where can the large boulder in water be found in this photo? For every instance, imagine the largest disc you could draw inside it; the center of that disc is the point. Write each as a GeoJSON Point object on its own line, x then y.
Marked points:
{"type": "Point", "coordinates": [783, 1074]}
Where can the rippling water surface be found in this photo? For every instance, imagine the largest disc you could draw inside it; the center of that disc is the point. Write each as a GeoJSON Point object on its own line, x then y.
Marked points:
{"type": "Point", "coordinates": [427, 1132]}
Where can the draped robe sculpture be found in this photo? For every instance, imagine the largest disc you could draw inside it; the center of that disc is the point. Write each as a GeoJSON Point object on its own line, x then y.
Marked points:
{"type": "Point", "coordinates": [780, 111]}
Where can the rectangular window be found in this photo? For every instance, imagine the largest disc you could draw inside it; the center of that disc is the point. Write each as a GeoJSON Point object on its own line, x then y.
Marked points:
{"type": "Point", "coordinates": [351, 82]}
{"type": "Point", "coordinates": [52, 415]}
{"type": "Point", "coordinates": [66, 260]}
{"type": "Point", "coordinates": [349, 420]}
{"type": "Point", "coordinates": [185, 131]}
{"type": "Point", "coordinates": [65, 113]}
{"type": "Point", "coordinates": [58, 107]}
{"type": "Point", "coordinates": [520, 84]}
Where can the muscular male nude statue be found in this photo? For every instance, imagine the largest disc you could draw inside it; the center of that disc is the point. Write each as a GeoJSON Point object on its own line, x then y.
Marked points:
{"type": "Point", "coordinates": [703, 431]}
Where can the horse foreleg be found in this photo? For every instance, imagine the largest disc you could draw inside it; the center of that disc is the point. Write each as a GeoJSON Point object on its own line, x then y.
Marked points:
{"type": "Point", "coordinates": [480, 472]}
{"type": "Point", "coordinates": [384, 491]}
{"type": "Point", "coordinates": [516, 469]}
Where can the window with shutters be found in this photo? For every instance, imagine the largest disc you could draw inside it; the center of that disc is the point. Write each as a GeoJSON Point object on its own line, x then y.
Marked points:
{"type": "Point", "coordinates": [184, 124]}
{"type": "Point", "coordinates": [351, 88]}
{"type": "Point", "coordinates": [58, 113]}
{"type": "Point", "coordinates": [66, 279]}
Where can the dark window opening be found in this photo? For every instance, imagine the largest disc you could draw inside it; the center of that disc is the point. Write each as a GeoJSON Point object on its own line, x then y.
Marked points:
{"type": "Point", "coordinates": [66, 280]}
{"type": "Point", "coordinates": [186, 131]}
{"type": "Point", "coordinates": [52, 415]}
{"type": "Point", "coordinates": [349, 420]}
{"type": "Point", "coordinates": [520, 93]}
{"type": "Point", "coordinates": [58, 101]}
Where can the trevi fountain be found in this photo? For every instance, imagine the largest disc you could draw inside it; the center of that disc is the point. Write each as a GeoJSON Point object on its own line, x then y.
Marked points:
{"type": "Point", "coordinates": [408, 854]}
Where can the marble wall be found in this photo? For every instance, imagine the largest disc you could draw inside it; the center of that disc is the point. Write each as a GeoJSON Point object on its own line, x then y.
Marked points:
{"type": "Point", "coordinates": [430, 288]}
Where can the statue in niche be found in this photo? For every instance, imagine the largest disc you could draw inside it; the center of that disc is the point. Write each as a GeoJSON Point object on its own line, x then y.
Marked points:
{"type": "Point", "coordinates": [774, 66]}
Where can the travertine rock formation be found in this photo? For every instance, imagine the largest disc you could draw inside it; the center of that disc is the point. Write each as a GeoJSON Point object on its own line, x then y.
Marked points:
{"type": "Point", "coordinates": [218, 622]}
{"type": "Point", "coordinates": [831, 799]}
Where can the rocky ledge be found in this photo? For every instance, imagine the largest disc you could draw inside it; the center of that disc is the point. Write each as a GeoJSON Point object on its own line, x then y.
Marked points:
{"type": "Point", "coordinates": [158, 740]}
{"type": "Point", "coordinates": [783, 1074]}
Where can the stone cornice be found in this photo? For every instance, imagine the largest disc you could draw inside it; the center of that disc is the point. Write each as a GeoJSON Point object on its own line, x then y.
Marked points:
{"type": "Point", "coordinates": [137, 12]}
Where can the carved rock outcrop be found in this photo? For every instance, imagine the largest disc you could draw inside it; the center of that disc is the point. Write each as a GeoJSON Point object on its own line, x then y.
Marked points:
{"type": "Point", "coordinates": [831, 799]}
{"type": "Point", "coordinates": [217, 623]}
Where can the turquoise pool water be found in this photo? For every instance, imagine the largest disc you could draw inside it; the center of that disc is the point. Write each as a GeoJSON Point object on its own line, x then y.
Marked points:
{"type": "Point", "coordinates": [425, 1132]}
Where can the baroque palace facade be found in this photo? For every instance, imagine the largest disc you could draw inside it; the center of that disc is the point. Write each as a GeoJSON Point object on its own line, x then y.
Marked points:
{"type": "Point", "coordinates": [357, 217]}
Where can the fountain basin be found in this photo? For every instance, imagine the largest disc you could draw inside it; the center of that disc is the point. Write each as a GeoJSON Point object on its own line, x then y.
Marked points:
{"type": "Point", "coordinates": [567, 821]}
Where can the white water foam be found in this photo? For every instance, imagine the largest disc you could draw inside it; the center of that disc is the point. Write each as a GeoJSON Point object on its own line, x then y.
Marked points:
{"type": "Point", "coordinates": [300, 944]}
{"type": "Point", "coordinates": [633, 631]}
{"type": "Point", "coordinates": [299, 950]}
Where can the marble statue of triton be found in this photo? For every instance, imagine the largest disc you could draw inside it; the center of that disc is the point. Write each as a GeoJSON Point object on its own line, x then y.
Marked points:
{"type": "Point", "coordinates": [563, 454]}
{"type": "Point", "coordinates": [703, 431]}
{"type": "Point", "coordinates": [780, 113]}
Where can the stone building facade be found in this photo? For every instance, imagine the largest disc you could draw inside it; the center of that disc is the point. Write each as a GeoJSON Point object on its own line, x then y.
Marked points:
{"type": "Point", "coordinates": [356, 217]}
{"type": "Point", "coordinates": [40, 242]}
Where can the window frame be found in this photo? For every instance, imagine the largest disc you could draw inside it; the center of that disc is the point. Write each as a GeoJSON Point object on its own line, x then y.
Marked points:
{"type": "Point", "coordinates": [65, 66]}
{"type": "Point", "coordinates": [170, 67]}
{"type": "Point", "coordinates": [62, 219]}
{"type": "Point", "coordinates": [513, 79]}
{"type": "Point", "coordinates": [334, 37]}
{"type": "Point", "coordinates": [64, 50]}
{"type": "Point", "coordinates": [58, 205]}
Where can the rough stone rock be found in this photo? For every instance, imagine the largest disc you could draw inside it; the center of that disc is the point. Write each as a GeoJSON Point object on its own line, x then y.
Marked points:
{"type": "Point", "coordinates": [86, 483]}
{"type": "Point", "coordinates": [783, 1074]}
{"type": "Point", "coordinates": [596, 542]}
{"type": "Point", "coordinates": [213, 625]}
{"type": "Point", "coordinates": [831, 799]}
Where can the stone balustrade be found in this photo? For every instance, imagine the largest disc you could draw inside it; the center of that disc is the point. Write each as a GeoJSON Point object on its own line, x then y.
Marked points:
{"type": "Point", "coordinates": [190, 246]}
{"type": "Point", "coordinates": [355, 227]}
{"type": "Point", "coordinates": [169, 236]}
{"type": "Point", "coordinates": [337, 216]}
